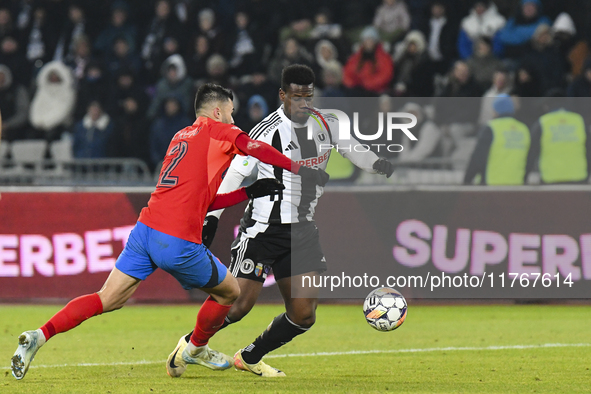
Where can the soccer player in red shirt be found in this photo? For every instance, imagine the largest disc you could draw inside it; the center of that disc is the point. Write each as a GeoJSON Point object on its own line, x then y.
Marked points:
{"type": "Point", "coordinates": [168, 232]}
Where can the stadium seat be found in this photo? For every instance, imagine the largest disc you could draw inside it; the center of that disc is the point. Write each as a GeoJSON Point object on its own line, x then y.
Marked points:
{"type": "Point", "coordinates": [29, 150]}
{"type": "Point", "coordinates": [463, 151]}
{"type": "Point", "coordinates": [4, 149]}
{"type": "Point", "coordinates": [61, 150]}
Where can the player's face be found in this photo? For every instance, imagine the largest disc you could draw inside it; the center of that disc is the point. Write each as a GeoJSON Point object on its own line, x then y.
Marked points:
{"type": "Point", "coordinates": [296, 101]}
{"type": "Point", "coordinates": [226, 111]}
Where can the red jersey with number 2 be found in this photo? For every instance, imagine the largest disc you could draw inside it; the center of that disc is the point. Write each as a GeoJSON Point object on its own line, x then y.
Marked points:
{"type": "Point", "coordinates": [196, 160]}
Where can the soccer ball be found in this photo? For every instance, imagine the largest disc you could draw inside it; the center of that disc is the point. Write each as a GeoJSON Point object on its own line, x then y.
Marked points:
{"type": "Point", "coordinates": [384, 309]}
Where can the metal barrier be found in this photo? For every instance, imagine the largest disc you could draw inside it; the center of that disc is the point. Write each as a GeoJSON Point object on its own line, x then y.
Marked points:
{"type": "Point", "coordinates": [76, 172]}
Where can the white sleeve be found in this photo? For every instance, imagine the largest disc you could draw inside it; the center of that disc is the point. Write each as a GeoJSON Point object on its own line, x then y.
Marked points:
{"type": "Point", "coordinates": [362, 159]}
{"type": "Point", "coordinates": [233, 179]}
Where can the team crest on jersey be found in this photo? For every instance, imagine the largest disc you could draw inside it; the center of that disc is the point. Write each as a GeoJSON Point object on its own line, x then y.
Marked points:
{"type": "Point", "coordinates": [247, 266]}
{"type": "Point", "coordinates": [321, 137]}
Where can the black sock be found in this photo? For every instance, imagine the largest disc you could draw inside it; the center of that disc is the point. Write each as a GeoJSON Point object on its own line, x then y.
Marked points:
{"type": "Point", "coordinates": [280, 331]}
{"type": "Point", "coordinates": [227, 322]}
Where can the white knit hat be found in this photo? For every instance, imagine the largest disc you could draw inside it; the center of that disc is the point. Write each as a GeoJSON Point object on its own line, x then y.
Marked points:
{"type": "Point", "coordinates": [564, 23]}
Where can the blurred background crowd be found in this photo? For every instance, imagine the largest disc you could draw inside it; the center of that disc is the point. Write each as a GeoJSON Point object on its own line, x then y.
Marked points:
{"type": "Point", "coordinates": [117, 77]}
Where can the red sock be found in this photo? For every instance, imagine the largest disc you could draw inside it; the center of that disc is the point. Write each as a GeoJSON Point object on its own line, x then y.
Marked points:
{"type": "Point", "coordinates": [77, 310]}
{"type": "Point", "coordinates": [209, 320]}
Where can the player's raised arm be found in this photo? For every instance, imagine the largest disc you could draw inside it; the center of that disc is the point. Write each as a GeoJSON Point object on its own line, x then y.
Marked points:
{"type": "Point", "coordinates": [364, 159]}
{"type": "Point", "coordinates": [267, 154]}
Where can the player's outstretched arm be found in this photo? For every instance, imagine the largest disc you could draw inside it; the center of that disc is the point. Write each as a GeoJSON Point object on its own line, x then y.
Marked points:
{"type": "Point", "coordinates": [267, 154]}
{"type": "Point", "coordinates": [260, 188]}
{"type": "Point", "coordinates": [366, 160]}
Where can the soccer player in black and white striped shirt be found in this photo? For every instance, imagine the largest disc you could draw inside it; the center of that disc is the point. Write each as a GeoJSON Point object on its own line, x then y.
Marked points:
{"type": "Point", "coordinates": [280, 233]}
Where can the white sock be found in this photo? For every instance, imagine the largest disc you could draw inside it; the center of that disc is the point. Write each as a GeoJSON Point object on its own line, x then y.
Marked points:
{"type": "Point", "coordinates": [194, 350]}
{"type": "Point", "coordinates": [41, 338]}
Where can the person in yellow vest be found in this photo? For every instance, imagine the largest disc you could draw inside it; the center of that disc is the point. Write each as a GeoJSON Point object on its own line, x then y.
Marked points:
{"type": "Point", "coordinates": [501, 153]}
{"type": "Point", "coordinates": [561, 147]}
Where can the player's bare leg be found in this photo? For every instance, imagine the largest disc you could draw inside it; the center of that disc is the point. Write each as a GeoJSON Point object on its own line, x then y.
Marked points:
{"type": "Point", "coordinates": [113, 295]}
{"type": "Point", "coordinates": [299, 317]}
{"type": "Point", "coordinates": [211, 316]}
{"type": "Point", "coordinates": [249, 293]}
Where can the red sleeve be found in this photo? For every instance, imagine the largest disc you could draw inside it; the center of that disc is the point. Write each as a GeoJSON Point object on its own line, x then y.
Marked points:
{"type": "Point", "coordinates": [228, 132]}
{"type": "Point", "coordinates": [228, 199]}
{"type": "Point", "coordinates": [380, 80]}
{"type": "Point", "coordinates": [265, 153]}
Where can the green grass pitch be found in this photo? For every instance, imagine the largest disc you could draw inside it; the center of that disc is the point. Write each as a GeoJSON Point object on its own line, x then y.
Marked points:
{"type": "Point", "coordinates": [439, 349]}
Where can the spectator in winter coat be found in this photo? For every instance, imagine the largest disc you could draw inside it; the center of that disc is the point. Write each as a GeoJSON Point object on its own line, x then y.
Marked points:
{"type": "Point", "coordinates": [545, 57]}
{"type": "Point", "coordinates": [369, 70]}
{"type": "Point", "coordinates": [501, 84]}
{"type": "Point", "coordinates": [326, 53]}
{"type": "Point", "coordinates": [171, 120]}
{"type": "Point", "coordinates": [441, 33]}
{"type": "Point", "coordinates": [332, 80]}
{"type": "Point", "coordinates": [71, 31]}
{"type": "Point", "coordinates": [519, 30]}
{"type": "Point", "coordinates": [484, 21]}
{"type": "Point", "coordinates": [121, 58]}
{"type": "Point", "coordinates": [12, 57]}
{"type": "Point", "coordinates": [413, 77]}
{"type": "Point", "coordinates": [392, 19]}
{"type": "Point", "coordinates": [81, 57]}
{"type": "Point", "coordinates": [581, 86]}
{"type": "Point", "coordinates": [164, 25]}
{"type": "Point", "coordinates": [290, 52]}
{"type": "Point", "coordinates": [197, 57]}
{"type": "Point", "coordinates": [483, 62]}
{"type": "Point", "coordinates": [132, 130]}
{"type": "Point", "coordinates": [118, 27]}
{"type": "Point", "coordinates": [54, 100]}
{"type": "Point", "coordinates": [92, 134]}
{"type": "Point", "coordinates": [256, 110]}
{"type": "Point", "coordinates": [174, 81]}
{"type": "Point", "coordinates": [14, 103]}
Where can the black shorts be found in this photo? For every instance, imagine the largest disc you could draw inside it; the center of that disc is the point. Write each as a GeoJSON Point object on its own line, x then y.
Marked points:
{"type": "Point", "coordinates": [287, 249]}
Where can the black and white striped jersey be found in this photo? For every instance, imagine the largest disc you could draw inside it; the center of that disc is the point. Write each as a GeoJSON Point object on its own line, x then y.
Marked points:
{"type": "Point", "coordinates": [298, 201]}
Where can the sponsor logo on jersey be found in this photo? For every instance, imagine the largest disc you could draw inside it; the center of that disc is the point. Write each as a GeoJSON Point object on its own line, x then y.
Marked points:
{"type": "Point", "coordinates": [247, 266]}
{"type": "Point", "coordinates": [271, 128]}
{"type": "Point", "coordinates": [314, 161]}
{"type": "Point", "coordinates": [245, 162]}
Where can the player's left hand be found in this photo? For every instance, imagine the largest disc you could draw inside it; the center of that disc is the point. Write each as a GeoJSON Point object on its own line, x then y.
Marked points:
{"type": "Point", "coordinates": [264, 187]}
{"type": "Point", "coordinates": [384, 167]}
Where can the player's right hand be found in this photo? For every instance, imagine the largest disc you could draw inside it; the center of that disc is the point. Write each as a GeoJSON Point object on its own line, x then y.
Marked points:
{"type": "Point", "coordinates": [317, 176]}
{"type": "Point", "coordinates": [210, 226]}
{"type": "Point", "coordinates": [264, 187]}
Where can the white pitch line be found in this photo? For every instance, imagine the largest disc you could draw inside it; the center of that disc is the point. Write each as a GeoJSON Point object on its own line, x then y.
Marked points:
{"type": "Point", "coordinates": [351, 352]}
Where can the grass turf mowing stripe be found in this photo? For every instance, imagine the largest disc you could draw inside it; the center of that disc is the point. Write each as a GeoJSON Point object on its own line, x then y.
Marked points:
{"type": "Point", "coordinates": [351, 352]}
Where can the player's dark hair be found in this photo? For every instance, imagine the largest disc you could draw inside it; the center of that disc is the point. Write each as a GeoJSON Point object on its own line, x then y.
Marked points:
{"type": "Point", "coordinates": [298, 74]}
{"type": "Point", "coordinates": [211, 93]}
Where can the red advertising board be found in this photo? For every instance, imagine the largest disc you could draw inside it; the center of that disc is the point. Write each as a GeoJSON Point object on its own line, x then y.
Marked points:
{"type": "Point", "coordinates": [61, 245]}
{"type": "Point", "coordinates": [444, 243]}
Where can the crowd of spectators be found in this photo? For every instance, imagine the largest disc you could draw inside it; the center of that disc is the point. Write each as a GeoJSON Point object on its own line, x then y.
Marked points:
{"type": "Point", "coordinates": [119, 76]}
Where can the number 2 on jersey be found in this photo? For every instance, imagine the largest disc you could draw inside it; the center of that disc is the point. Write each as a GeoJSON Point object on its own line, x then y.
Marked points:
{"type": "Point", "coordinates": [179, 151]}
